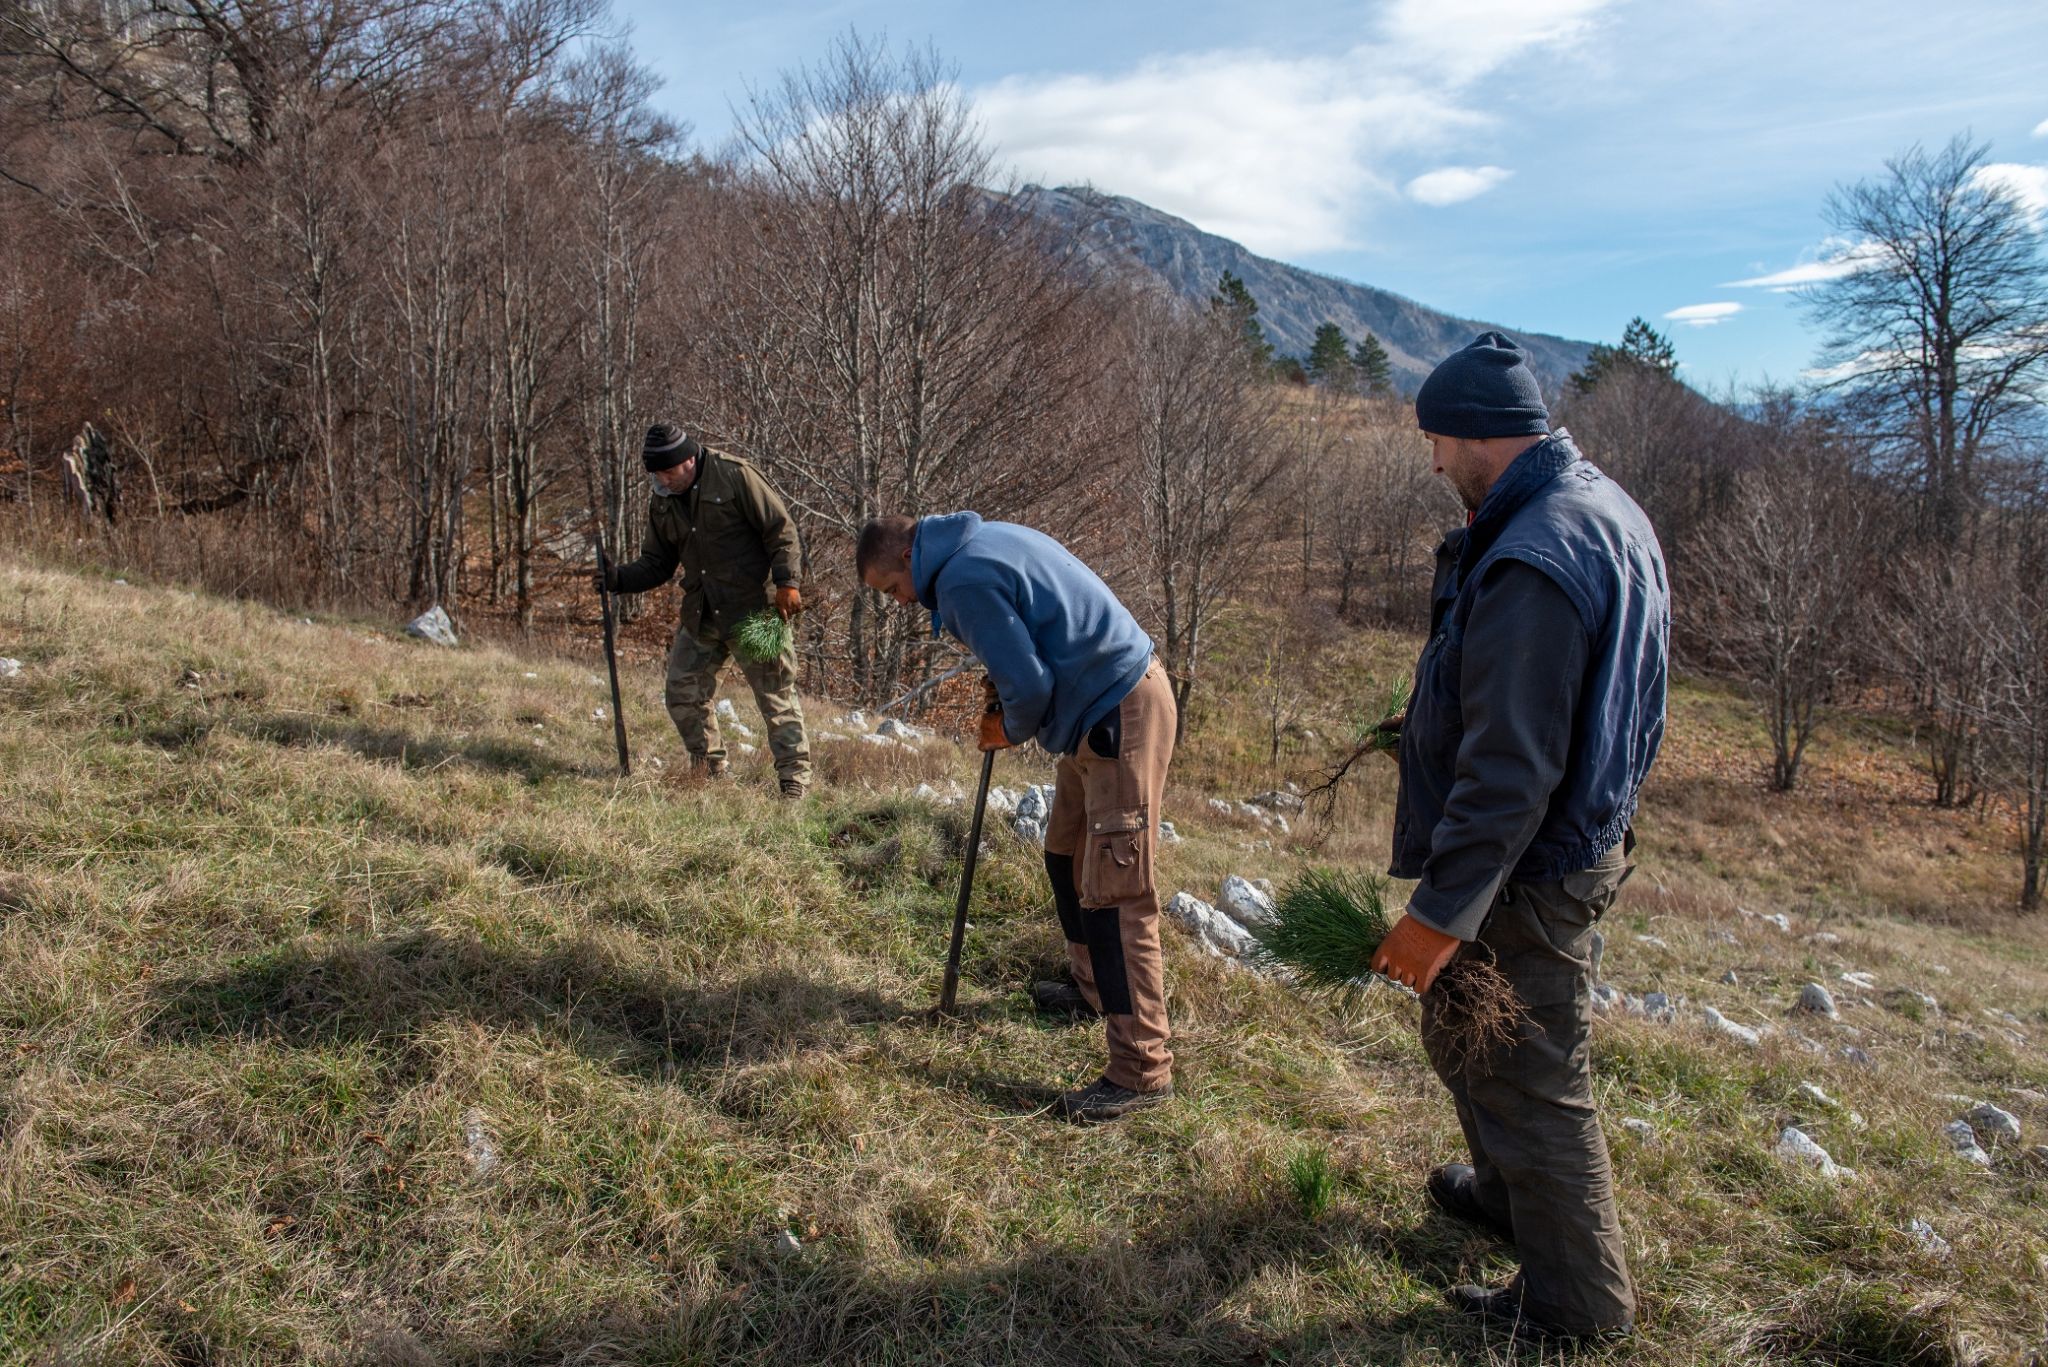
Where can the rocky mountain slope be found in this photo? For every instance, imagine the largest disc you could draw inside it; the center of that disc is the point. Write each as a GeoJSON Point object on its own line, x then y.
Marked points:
{"type": "Point", "coordinates": [1127, 235]}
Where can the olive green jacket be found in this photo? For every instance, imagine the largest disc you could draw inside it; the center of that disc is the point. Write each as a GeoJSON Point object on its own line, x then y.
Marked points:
{"type": "Point", "coordinates": [731, 536]}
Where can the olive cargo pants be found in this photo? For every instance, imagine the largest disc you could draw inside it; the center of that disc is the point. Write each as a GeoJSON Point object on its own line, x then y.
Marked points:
{"type": "Point", "coordinates": [1101, 839]}
{"type": "Point", "coordinates": [1527, 1110]}
{"type": "Point", "coordinates": [693, 665]}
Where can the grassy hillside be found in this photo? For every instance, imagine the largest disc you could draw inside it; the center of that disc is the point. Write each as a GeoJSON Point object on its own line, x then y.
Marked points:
{"type": "Point", "coordinates": [352, 1010]}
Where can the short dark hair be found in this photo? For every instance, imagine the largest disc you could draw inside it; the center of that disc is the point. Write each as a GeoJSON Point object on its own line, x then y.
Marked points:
{"type": "Point", "coordinates": [882, 539]}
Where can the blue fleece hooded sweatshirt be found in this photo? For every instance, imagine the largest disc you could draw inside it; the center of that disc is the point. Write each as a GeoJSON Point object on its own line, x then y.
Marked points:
{"type": "Point", "coordinates": [1063, 652]}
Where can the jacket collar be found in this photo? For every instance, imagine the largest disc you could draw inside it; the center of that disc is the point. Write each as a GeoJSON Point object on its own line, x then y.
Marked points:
{"type": "Point", "coordinates": [1526, 475]}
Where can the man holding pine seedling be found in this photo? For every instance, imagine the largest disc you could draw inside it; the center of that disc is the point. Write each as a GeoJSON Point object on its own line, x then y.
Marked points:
{"type": "Point", "coordinates": [714, 517]}
{"type": "Point", "coordinates": [1068, 665]}
{"type": "Point", "coordinates": [1536, 711]}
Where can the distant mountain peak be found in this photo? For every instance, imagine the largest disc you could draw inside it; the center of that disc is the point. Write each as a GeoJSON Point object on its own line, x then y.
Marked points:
{"type": "Point", "coordinates": [1129, 235]}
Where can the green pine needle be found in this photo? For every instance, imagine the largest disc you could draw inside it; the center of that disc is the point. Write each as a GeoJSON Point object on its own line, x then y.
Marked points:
{"type": "Point", "coordinates": [1326, 928]}
{"type": "Point", "coordinates": [1397, 703]}
{"type": "Point", "coordinates": [762, 637]}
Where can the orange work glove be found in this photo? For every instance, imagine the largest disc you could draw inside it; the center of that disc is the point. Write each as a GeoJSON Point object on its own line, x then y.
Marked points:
{"type": "Point", "coordinates": [1414, 952]}
{"type": "Point", "coordinates": [992, 736]}
{"type": "Point", "coordinates": [788, 601]}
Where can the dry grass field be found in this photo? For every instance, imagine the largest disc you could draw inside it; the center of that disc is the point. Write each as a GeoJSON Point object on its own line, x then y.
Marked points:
{"type": "Point", "coordinates": [352, 1010]}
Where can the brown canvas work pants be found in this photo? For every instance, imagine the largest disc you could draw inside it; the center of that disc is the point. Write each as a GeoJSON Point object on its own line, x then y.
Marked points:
{"type": "Point", "coordinates": [693, 665]}
{"type": "Point", "coordinates": [1101, 839]}
{"type": "Point", "coordinates": [1527, 1109]}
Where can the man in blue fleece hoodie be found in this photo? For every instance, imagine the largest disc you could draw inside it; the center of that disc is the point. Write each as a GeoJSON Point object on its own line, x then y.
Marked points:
{"type": "Point", "coordinates": [1070, 667]}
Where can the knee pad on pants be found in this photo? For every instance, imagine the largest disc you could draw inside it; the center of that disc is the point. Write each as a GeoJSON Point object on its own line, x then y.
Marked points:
{"type": "Point", "coordinates": [1106, 957]}
{"type": "Point", "coordinates": [1066, 897]}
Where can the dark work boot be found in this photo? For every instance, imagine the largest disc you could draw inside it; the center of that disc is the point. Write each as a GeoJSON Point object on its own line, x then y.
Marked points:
{"type": "Point", "coordinates": [1503, 1305]}
{"type": "Point", "coordinates": [1452, 1190]}
{"type": "Point", "coordinates": [1061, 999]}
{"type": "Point", "coordinates": [792, 788]}
{"type": "Point", "coordinates": [1102, 1100]}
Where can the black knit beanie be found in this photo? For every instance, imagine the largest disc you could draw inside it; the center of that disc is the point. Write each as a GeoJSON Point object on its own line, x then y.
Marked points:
{"type": "Point", "coordinates": [1486, 390]}
{"type": "Point", "coordinates": [667, 446]}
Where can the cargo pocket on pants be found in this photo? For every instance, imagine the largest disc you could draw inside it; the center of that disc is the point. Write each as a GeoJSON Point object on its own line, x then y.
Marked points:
{"type": "Point", "coordinates": [1596, 888]}
{"type": "Point", "coordinates": [1116, 861]}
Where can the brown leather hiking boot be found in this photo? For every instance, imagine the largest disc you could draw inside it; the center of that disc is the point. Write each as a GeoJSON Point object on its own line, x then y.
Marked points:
{"type": "Point", "coordinates": [792, 789]}
{"type": "Point", "coordinates": [1061, 999]}
{"type": "Point", "coordinates": [1504, 1305]}
{"type": "Point", "coordinates": [1102, 1100]}
{"type": "Point", "coordinates": [1450, 1189]}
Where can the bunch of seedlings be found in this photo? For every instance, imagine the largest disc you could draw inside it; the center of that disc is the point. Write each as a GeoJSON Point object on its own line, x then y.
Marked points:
{"type": "Point", "coordinates": [762, 637]}
{"type": "Point", "coordinates": [1328, 925]}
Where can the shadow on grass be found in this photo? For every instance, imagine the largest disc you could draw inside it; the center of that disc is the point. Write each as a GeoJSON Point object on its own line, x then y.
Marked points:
{"type": "Point", "coordinates": [384, 991]}
{"type": "Point", "coordinates": [1171, 1292]}
{"type": "Point", "coordinates": [410, 751]}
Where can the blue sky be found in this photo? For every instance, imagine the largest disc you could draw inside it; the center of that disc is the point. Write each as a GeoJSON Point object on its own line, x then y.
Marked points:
{"type": "Point", "coordinates": [1559, 165]}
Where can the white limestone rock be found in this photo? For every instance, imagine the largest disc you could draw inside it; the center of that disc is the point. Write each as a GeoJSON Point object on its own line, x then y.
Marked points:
{"type": "Point", "coordinates": [1923, 1236]}
{"type": "Point", "coordinates": [1214, 931]}
{"type": "Point", "coordinates": [1963, 1140]}
{"type": "Point", "coordinates": [1795, 1146]}
{"type": "Point", "coordinates": [1815, 1000]}
{"type": "Point", "coordinates": [433, 626]}
{"type": "Point", "coordinates": [1246, 904]}
{"type": "Point", "coordinates": [1741, 1034]}
{"type": "Point", "coordinates": [1996, 1123]}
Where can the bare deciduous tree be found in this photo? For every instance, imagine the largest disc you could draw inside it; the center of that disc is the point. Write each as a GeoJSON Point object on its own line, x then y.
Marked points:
{"type": "Point", "coordinates": [1938, 327]}
{"type": "Point", "coordinates": [2012, 626]}
{"type": "Point", "coordinates": [1205, 452]}
{"type": "Point", "coordinates": [1779, 583]}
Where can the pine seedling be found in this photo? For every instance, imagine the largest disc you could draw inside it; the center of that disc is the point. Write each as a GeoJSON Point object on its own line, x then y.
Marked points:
{"type": "Point", "coordinates": [762, 637]}
{"type": "Point", "coordinates": [1325, 930]}
{"type": "Point", "coordinates": [1385, 735]}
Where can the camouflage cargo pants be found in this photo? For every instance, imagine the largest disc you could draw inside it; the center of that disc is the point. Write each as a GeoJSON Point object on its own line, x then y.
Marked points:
{"type": "Point", "coordinates": [693, 665]}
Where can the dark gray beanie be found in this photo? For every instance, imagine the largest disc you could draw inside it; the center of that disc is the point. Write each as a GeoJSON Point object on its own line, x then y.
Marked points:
{"type": "Point", "coordinates": [1486, 390]}
{"type": "Point", "coordinates": [667, 446]}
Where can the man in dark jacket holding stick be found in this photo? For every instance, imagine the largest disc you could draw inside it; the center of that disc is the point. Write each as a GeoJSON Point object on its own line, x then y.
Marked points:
{"type": "Point", "coordinates": [1069, 666]}
{"type": "Point", "coordinates": [1537, 709]}
{"type": "Point", "coordinates": [713, 516]}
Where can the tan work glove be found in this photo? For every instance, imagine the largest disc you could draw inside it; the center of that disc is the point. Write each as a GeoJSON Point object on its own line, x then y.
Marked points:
{"type": "Point", "coordinates": [788, 601]}
{"type": "Point", "coordinates": [992, 736]}
{"type": "Point", "coordinates": [1414, 952]}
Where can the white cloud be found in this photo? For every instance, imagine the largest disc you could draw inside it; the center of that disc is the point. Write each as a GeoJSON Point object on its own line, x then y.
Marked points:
{"type": "Point", "coordinates": [1704, 315]}
{"type": "Point", "coordinates": [1462, 40]}
{"type": "Point", "coordinates": [1455, 184]}
{"type": "Point", "coordinates": [2026, 184]}
{"type": "Point", "coordinates": [2041, 129]}
{"type": "Point", "coordinates": [1286, 154]}
{"type": "Point", "coordinates": [1838, 257]}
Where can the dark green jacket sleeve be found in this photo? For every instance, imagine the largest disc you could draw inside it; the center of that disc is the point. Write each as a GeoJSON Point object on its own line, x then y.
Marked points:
{"type": "Point", "coordinates": [1524, 666]}
{"type": "Point", "coordinates": [766, 513]}
{"type": "Point", "coordinates": [657, 562]}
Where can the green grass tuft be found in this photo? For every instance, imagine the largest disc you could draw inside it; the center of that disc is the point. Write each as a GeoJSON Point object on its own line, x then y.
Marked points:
{"type": "Point", "coordinates": [1308, 1172]}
